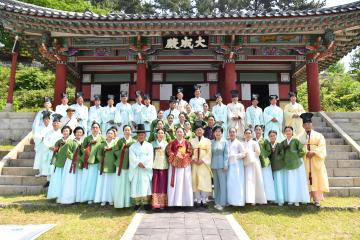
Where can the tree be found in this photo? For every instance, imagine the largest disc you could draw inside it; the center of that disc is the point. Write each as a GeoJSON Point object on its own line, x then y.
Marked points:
{"type": "Point", "coordinates": [355, 62]}
{"type": "Point", "coordinates": [174, 6]}
{"type": "Point", "coordinates": [286, 5]}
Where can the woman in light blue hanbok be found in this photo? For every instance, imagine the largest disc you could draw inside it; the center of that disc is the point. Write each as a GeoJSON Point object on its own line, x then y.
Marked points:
{"type": "Point", "coordinates": [273, 118]}
{"type": "Point", "coordinates": [295, 175]}
{"type": "Point", "coordinates": [236, 173]}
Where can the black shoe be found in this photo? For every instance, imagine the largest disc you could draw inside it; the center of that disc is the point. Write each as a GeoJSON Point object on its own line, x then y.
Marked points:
{"type": "Point", "coordinates": [137, 207]}
{"type": "Point", "coordinates": [196, 204]}
{"type": "Point", "coordinates": [46, 184]}
{"type": "Point", "coordinates": [147, 207]}
{"type": "Point", "coordinates": [204, 205]}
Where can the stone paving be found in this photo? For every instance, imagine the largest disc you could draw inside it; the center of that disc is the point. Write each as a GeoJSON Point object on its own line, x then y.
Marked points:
{"type": "Point", "coordinates": [184, 225]}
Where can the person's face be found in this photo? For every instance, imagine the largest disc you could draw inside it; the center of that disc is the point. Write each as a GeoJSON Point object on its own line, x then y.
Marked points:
{"type": "Point", "coordinates": [258, 131]}
{"type": "Point", "coordinates": [272, 137]}
{"type": "Point", "coordinates": [181, 118]}
{"type": "Point", "coordinates": [66, 133]}
{"type": "Point", "coordinates": [97, 102]}
{"type": "Point", "coordinates": [70, 113]}
{"type": "Point", "coordinates": [288, 132]}
{"type": "Point", "coordinates": [273, 101]}
{"type": "Point", "coordinates": [147, 102]}
{"type": "Point", "coordinates": [80, 100]}
{"type": "Point", "coordinates": [293, 99]}
{"type": "Point", "coordinates": [247, 135]}
{"type": "Point", "coordinates": [179, 134]}
{"type": "Point", "coordinates": [110, 135]}
{"type": "Point", "coordinates": [124, 99]}
{"type": "Point", "coordinates": [110, 102]}
{"type": "Point", "coordinates": [197, 93]}
{"type": "Point", "coordinates": [46, 121]}
{"type": "Point", "coordinates": [232, 134]}
{"type": "Point", "coordinates": [187, 126]}
{"type": "Point", "coordinates": [200, 116]}
{"type": "Point", "coordinates": [47, 105]}
{"type": "Point", "coordinates": [65, 101]}
{"type": "Point", "coordinates": [160, 125]}
{"type": "Point", "coordinates": [170, 119]}
{"type": "Point", "coordinates": [56, 125]}
{"type": "Point", "coordinates": [206, 107]}
{"type": "Point", "coordinates": [78, 134]}
{"type": "Point", "coordinates": [211, 121]}
{"type": "Point", "coordinates": [95, 129]}
{"type": "Point", "coordinates": [235, 99]}
{"type": "Point", "coordinates": [127, 131]}
{"type": "Point", "coordinates": [172, 105]}
{"type": "Point", "coordinates": [139, 99]}
{"type": "Point", "coordinates": [141, 137]}
{"type": "Point", "coordinates": [219, 100]}
{"type": "Point", "coordinates": [179, 96]}
{"type": "Point", "coordinates": [254, 102]}
{"type": "Point", "coordinates": [188, 108]}
{"type": "Point", "coordinates": [160, 135]}
{"type": "Point", "coordinates": [160, 115]}
{"type": "Point", "coordinates": [199, 132]}
{"type": "Point", "coordinates": [218, 133]}
{"type": "Point", "coordinates": [307, 126]}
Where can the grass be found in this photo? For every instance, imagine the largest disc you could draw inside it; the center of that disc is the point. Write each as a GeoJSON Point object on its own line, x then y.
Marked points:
{"type": "Point", "coordinates": [6, 147]}
{"type": "Point", "coordinates": [73, 222]}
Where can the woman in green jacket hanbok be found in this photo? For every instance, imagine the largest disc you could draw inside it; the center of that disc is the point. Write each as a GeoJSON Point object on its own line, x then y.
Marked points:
{"type": "Point", "coordinates": [159, 125]}
{"type": "Point", "coordinates": [170, 126]}
{"type": "Point", "coordinates": [122, 182]}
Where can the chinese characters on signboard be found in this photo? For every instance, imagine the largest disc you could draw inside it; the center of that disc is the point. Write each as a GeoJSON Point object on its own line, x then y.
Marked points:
{"type": "Point", "coordinates": [186, 42]}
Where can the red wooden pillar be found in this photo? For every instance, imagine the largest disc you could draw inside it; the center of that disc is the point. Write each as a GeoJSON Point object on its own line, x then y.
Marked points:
{"type": "Point", "coordinates": [60, 81]}
{"type": "Point", "coordinates": [141, 76]}
{"type": "Point", "coordinates": [229, 81]}
{"type": "Point", "coordinates": [313, 84]}
{"type": "Point", "coordinates": [10, 96]}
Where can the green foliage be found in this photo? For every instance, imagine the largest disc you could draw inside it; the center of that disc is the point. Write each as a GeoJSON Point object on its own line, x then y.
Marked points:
{"type": "Point", "coordinates": [340, 92]}
{"type": "Point", "coordinates": [355, 63]}
{"type": "Point", "coordinates": [33, 79]}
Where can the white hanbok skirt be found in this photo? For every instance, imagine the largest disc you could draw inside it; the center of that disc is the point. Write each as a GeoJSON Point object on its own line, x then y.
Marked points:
{"type": "Point", "coordinates": [236, 184]}
{"type": "Point", "coordinates": [296, 185]}
{"type": "Point", "coordinates": [268, 183]}
{"type": "Point", "coordinates": [88, 183]}
{"type": "Point", "coordinates": [181, 195]}
{"type": "Point", "coordinates": [104, 188]}
{"type": "Point", "coordinates": [68, 190]}
{"type": "Point", "coordinates": [56, 184]}
{"type": "Point", "coordinates": [254, 184]}
{"type": "Point", "coordinates": [79, 173]}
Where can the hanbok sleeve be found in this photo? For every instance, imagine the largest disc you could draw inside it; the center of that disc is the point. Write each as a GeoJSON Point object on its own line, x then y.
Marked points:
{"type": "Point", "coordinates": [226, 155]}
{"type": "Point", "coordinates": [248, 117]}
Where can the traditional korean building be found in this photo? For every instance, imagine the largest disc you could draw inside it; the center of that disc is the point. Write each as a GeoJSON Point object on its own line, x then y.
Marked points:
{"type": "Point", "coordinates": [264, 53]}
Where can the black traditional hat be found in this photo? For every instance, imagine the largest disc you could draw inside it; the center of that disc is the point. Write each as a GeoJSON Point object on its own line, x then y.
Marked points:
{"type": "Point", "coordinates": [123, 94]}
{"type": "Point", "coordinates": [197, 87]}
{"type": "Point", "coordinates": [140, 128]}
{"type": "Point", "coordinates": [273, 96]}
{"type": "Point", "coordinates": [180, 89]}
{"type": "Point", "coordinates": [64, 95]}
{"type": "Point", "coordinates": [292, 94]}
{"type": "Point", "coordinates": [217, 95]}
{"type": "Point", "coordinates": [79, 94]}
{"type": "Point", "coordinates": [306, 117]}
{"type": "Point", "coordinates": [110, 96]}
{"type": "Point", "coordinates": [97, 97]}
{"type": "Point", "coordinates": [138, 93]}
{"type": "Point", "coordinates": [198, 124]}
{"type": "Point", "coordinates": [172, 99]}
{"type": "Point", "coordinates": [217, 127]}
{"type": "Point", "coordinates": [47, 99]}
{"type": "Point", "coordinates": [147, 96]}
{"type": "Point", "coordinates": [56, 117]}
{"type": "Point", "coordinates": [234, 93]}
{"type": "Point", "coordinates": [255, 97]}
{"type": "Point", "coordinates": [46, 114]}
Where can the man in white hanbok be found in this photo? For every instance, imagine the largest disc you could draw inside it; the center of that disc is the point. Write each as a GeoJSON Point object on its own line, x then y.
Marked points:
{"type": "Point", "coordinates": [172, 110]}
{"type": "Point", "coordinates": [70, 119]}
{"type": "Point", "coordinates": [141, 157]}
{"type": "Point", "coordinates": [148, 114]}
{"type": "Point", "coordinates": [38, 122]}
{"type": "Point", "coordinates": [81, 111]}
{"type": "Point", "coordinates": [292, 112]}
{"type": "Point", "coordinates": [95, 112]}
{"type": "Point", "coordinates": [254, 114]}
{"type": "Point", "coordinates": [197, 102]}
{"type": "Point", "coordinates": [273, 119]}
{"type": "Point", "coordinates": [180, 102]}
{"type": "Point", "coordinates": [220, 113]}
{"type": "Point", "coordinates": [236, 114]}
{"type": "Point", "coordinates": [39, 138]}
{"type": "Point", "coordinates": [137, 107]}
{"type": "Point", "coordinates": [123, 113]}
{"type": "Point", "coordinates": [61, 108]}
{"type": "Point", "coordinates": [108, 115]}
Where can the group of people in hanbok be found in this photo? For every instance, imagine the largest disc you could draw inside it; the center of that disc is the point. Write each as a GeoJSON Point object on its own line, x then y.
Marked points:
{"type": "Point", "coordinates": [132, 155]}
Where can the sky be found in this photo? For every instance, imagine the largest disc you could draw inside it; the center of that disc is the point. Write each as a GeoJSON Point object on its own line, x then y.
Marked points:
{"type": "Point", "coordinates": [331, 3]}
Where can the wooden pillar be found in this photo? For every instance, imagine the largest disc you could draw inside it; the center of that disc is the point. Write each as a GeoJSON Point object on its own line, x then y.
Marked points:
{"type": "Point", "coordinates": [313, 84]}
{"type": "Point", "coordinates": [229, 81]}
{"type": "Point", "coordinates": [141, 76]}
{"type": "Point", "coordinates": [60, 81]}
{"type": "Point", "coordinates": [10, 96]}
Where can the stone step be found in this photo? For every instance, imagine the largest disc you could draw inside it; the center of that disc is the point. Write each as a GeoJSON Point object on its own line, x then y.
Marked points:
{"type": "Point", "coordinates": [335, 141]}
{"type": "Point", "coordinates": [343, 163]}
{"type": "Point", "coordinates": [323, 129]}
{"type": "Point", "coordinates": [330, 135]}
{"type": "Point", "coordinates": [316, 119]}
{"type": "Point", "coordinates": [20, 190]}
{"type": "Point", "coordinates": [19, 171]}
{"type": "Point", "coordinates": [344, 191]}
{"type": "Point", "coordinates": [22, 163]}
{"type": "Point", "coordinates": [26, 155]}
{"type": "Point", "coordinates": [342, 155]}
{"type": "Point", "coordinates": [343, 172]}
{"type": "Point", "coordinates": [320, 124]}
{"type": "Point", "coordinates": [29, 148]}
{"type": "Point", "coordinates": [344, 181]}
{"type": "Point", "coordinates": [339, 148]}
{"type": "Point", "coordinates": [22, 180]}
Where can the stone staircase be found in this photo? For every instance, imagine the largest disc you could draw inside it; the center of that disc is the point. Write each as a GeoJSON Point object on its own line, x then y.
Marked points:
{"type": "Point", "coordinates": [349, 123]}
{"type": "Point", "coordinates": [342, 163]}
{"type": "Point", "coordinates": [18, 177]}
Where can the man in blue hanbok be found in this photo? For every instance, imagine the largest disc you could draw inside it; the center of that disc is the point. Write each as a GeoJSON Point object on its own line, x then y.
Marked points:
{"type": "Point", "coordinates": [273, 118]}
